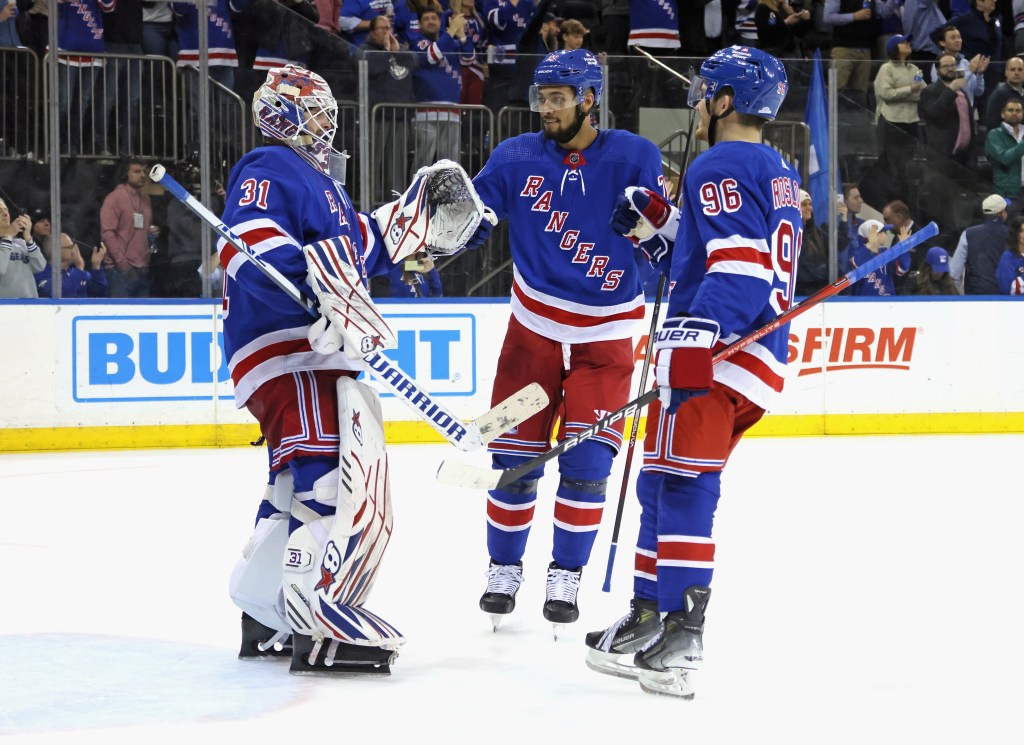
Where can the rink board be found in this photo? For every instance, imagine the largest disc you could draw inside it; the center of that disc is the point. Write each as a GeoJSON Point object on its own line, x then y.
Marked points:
{"type": "Point", "coordinates": [86, 375]}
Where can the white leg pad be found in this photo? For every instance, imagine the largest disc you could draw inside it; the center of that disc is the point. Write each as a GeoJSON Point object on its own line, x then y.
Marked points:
{"type": "Point", "coordinates": [255, 584]}
{"type": "Point", "coordinates": [331, 563]}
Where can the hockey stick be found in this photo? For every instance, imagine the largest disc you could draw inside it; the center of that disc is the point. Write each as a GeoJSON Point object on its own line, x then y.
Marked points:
{"type": "Point", "coordinates": [655, 312]}
{"type": "Point", "coordinates": [466, 436]}
{"type": "Point", "coordinates": [456, 473]}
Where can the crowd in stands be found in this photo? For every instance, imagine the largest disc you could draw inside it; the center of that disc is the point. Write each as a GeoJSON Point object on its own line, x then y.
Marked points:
{"type": "Point", "coordinates": [941, 79]}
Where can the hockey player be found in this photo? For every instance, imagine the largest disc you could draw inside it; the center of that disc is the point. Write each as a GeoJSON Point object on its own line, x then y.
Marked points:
{"type": "Point", "coordinates": [735, 247]}
{"type": "Point", "coordinates": [576, 303]}
{"type": "Point", "coordinates": [326, 522]}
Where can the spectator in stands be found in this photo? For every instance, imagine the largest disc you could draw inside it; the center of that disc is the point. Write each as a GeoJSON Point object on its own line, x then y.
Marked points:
{"type": "Point", "coordinates": [159, 37]}
{"type": "Point", "coordinates": [222, 58]}
{"type": "Point", "coordinates": [76, 280]}
{"type": "Point", "coordinates": [415, 277]}
{"type": "Point", "coordinates": [122, 35]}
{"type": "Point", "coordinates": [546, 39]}
{"type": "Point", "coordinates": [746, 29]}
{"type": "Point", "coordinates": [982, 32]}
{"type": "Point", "coordinates": [920, 19]}
{"type": "Point", "coordinates": [812, 270]}
{"type": "Point", "coordinates": [615, 23]}
{"type": "Point", "coordinates": [573, 34]}
{"type": "Point", "coordinates": [41, 232]}
{"type": "Point", "coordinates": [506, 23]}
{"type": "Point", "coordinates": [437, 81]}
{"type": "Point", "coordinates": [79, 33]}
{"type": "Point", "coordinates": [898, 87]}
{"type": "Point", "coordinates": [948, 118]}
{"type": "Point", "coordinates": [285, 35]}
{"type": "Point", "coordinates": [329, 12]}
{"type": "Point", "coordinates": [855, 26]}
{"type": "Point", "coordinates": [933, 276]}
{"type": "Point", "coordinates": [184, 237]}
{"type": "Point", "coordinates": [1004, 146]}
{"type": "Point", "coordinates": [390, 81]}
{"type": "Point", "coordinates": [8, 28]}
{"type": "Point", "coordinates": [35, 28]}
{"type": "Point", "coordinates": [356, 15]}
{"type": "Point", "coordinates": [897, 213]}
{"type": "Point", "coordinates": [977, 254]}
{"type": "Point", "coordinates": [1018, 26]}
{"type": "Point", "coordinates": [950, 42]}
{"type": "Point", "coordinates": [848, 210]}
{"type": "Point", "coordinates": [1010, 271]}
{"type": "Point", "coordinates": [20, 257]}
{"type": "Point", "coordinates": [126, 219]}
{"type": "Point", "coordinates": [878, 283]}
{"type": "Point", "coordinates": [472, 63]}
{"type": "Point", "coordinates": [1012, 87]}
{"type": "Point", "coordinates": [779, 26]}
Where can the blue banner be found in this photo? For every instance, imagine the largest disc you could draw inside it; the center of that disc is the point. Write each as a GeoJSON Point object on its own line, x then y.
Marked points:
{"type": "Point", "coordinates": [816, 118]}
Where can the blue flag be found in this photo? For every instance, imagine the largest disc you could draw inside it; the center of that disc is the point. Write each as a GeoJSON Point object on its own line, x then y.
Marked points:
{"type": "Point", "coordinates": [816, 118]}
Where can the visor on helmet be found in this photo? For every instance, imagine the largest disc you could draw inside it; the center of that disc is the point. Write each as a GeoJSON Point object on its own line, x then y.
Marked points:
{"type": "Point", "coordinates": [544, 98]}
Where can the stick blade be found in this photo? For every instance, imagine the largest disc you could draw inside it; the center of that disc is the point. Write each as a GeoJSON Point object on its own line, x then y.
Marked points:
{"type": "Point", "coordinates": [457, 473]}
{"type": "Point", "coordinates": [511, 412]}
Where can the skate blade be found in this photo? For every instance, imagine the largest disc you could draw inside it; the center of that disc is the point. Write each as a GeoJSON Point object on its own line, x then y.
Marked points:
{"type": "Point", "coordinates": [496, 619]}
{"type": "Point", "coordinates": [344, 670]}
{"type": "Point", "coordinates": [674, 683]}
{"type": "Point", "coordinates": [607, 663]}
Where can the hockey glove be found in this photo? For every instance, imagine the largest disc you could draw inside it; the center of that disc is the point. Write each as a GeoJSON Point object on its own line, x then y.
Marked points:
{"type": "Point", "coordinates": [483, 230]}
{"type": "Point", "coordinates": [682, 361]}
{"type": "Point", "coordinates": [641, 213]}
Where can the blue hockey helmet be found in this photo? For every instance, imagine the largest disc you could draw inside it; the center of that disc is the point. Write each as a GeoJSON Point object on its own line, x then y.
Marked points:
{"type": "Point", "coordinates": [758, 80]}
{"type": "Point", "coordinates": [576, 68]}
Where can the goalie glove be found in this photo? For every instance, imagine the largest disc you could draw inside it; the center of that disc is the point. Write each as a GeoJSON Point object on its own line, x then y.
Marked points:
{"type": "Point", "coordinates": [350, 320]}
{"type": "Point", "coordinates": [641, 213]}
{"type": "Point", "coordinates": [439, 213]}
{"type": "Point", "coordinates": [682, 361]}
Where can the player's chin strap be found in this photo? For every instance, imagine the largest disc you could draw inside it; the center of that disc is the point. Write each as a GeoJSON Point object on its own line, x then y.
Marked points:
{"type": "Point", "coordinates": [713, 125]}
{"type": "Point", "coordinates": [469, 436]}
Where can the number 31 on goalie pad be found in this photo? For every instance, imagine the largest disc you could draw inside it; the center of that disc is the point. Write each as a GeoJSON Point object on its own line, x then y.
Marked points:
{"type": "Point", "coordinates": [330, 564]}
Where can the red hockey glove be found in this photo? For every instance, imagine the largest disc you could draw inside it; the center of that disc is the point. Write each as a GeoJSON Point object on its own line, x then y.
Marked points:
{"type": "Point", "coordinates": [682, 362]}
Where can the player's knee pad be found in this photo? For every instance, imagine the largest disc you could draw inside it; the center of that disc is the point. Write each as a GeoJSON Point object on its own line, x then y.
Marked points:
{"type": "Point", "coordinates": [331, 562]}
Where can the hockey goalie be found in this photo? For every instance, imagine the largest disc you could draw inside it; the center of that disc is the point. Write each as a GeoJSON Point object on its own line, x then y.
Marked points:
{"type": "Point", "coordinates": [321, 531]}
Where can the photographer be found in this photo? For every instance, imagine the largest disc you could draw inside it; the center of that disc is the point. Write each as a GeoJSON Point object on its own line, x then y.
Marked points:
{"type": "Point", "coordinates": [76, 280]}
{"type": "Point", "coordinates": [182, 277]}
{"type": "Point", "coordinates": [20, 257]}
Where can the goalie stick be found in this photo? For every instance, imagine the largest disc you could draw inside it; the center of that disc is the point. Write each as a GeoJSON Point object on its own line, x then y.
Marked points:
{"type": "Point", "coordinates": [466, 436]}
{"type": "Point", "coordinates": [457, 473]}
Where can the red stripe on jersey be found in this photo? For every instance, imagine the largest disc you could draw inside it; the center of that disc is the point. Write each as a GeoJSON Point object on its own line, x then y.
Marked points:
{"type": "Point", "coordinates": [758, 368]}
{"type": "Point", "coordinates": [259, 356]}
{"type": "Point", "coordinates": [509, 518]}
{"type": "Point", "coordinates": [747, 254]}
{"type": "Point", "coordinates": [227, 253]}
{"type": "Point", "coordinates": [683, 551]}
{"type": "Point", "coordinates": [567, 317]}
{"type": "Point", "coordinates": [257, 235]}
{"type": "Point", "coordinates": [578, 516]}
{"type": "Point", "coordinates": [644, 563]}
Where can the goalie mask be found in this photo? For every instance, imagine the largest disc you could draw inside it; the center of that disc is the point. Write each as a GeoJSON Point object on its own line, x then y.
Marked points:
{"type": "Point", "coordinates": [295, 106]}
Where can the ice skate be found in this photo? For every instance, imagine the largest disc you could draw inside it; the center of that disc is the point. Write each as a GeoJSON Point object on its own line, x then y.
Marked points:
{"type": "Point", "coordinates": [499, 599]}
{"type": "Point", "coordinates": [666, 663]}
{"type": "Point", "coordinates": [560, 596]}
{"type": "Point", "coordinates": [607, 649]}
{"type": "Point", "coordinates": [261, 642]}
{"type": "Point", "coordinates": [317, 655]}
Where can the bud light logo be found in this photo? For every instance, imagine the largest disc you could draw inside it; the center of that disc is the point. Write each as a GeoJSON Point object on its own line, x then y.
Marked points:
{"type": "Point", "coordinates": [852, 348]}
{"type": "Point", "coordinates": [148, 358]}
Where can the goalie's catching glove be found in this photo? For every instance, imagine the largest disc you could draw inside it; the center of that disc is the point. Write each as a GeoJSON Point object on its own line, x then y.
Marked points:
{"type": "Point", "coordinates": [438, 213]}
{"type": "Point", "coordinates": [641, 213]}
{"type": "Point", "coordinates": [682, 361]}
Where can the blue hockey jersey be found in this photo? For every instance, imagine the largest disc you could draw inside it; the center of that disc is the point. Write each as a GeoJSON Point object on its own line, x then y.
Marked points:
{"type": "Point", "coordinates": [277, 203]}
{"type": "Point", "coordinates": [575, 279]}
{"type": "Point", "coordinates": [654, 23]}
{"type": "Point", "coordinates": [735, 257]}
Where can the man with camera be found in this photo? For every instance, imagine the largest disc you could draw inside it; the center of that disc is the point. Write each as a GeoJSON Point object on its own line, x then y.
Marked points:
{"type": "Point", "coordinates": [20, 257]}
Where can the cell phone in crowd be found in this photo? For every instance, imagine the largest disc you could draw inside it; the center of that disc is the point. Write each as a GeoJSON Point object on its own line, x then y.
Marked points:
{"type": "Point", "coordinates": [961, 74]}
{"type": "Point", "coordinates": [416, 262]}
